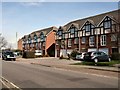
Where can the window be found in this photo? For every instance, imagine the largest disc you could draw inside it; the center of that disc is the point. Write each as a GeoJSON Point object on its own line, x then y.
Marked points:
{"type": "Point", "coordinates": [103, 40]}
{"type": "Point", "coordinates": [63, 35]}
{"type": "Point", "coordinates": [113, 37]}
{"type": "Point", "coordinates": [35, 38]}
{"type": "Point", "coordinates": [42, 38]}
{"type": "Point", "coordinates": [88, 28]}
{"type": "Point", "coordinates": [72, 31]}
{"type": "Point", "coordinates": [60, 33]}
{"type": "Point", "coordinates": [76, 34]}
{"type": "Point", "coordinates": [69, 42]}
{"type": "Point", "coordinates": [107, 24]}
{"type": "Point", "coordinates": [83, 40]}
{"type": "Point", "coordinates": [91, 41]}
{"type": "Point", "coordinates": [76, 41]}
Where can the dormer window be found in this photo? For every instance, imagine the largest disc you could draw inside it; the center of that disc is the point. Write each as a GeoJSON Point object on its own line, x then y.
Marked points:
{"type": "Point", "coordinates": [107, 24]}
{"type": "Point", "coordinates": [35, 38]}
{"type": "Point", "coordinates": [87, 28]}
{"type": "Point", "coordinates": [60, 33]}
{"type": "Point", "coordinates": [42, 37]}
{"type": "Point", "coordinates": [29, 39]}
{"type": "Point", "coordinates": [73, 32]}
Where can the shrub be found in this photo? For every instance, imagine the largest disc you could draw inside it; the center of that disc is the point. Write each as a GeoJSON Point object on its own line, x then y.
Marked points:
{"type": "Point", "coordinates": [46, 55]}
{"type": "Point", "coordinates": [28, 54]}
{"type": "Point", "coordinates": [73, 54]}
{"type": "Point", "coordinates": [115, 56]}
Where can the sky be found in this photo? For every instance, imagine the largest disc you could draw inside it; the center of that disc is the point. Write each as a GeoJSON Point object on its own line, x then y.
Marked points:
{"type": "Point", "coordinates": [26, 17]}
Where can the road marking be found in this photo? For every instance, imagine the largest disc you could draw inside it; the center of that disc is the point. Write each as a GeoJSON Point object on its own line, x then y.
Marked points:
{"type": "Point", "coordinates": [5, 82]}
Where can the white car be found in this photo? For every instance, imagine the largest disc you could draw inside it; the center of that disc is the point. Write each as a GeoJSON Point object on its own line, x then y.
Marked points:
{"type": "Point", "coordinates": [80, 56]}
{"type": "Point", "coordinates": [38, 53]}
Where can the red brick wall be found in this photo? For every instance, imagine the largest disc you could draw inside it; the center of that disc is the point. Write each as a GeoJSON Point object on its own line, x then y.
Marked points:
{"type": "Point", "coordinates": [50, 39]}
{"type": "Point", "coordinates": [20, 44]}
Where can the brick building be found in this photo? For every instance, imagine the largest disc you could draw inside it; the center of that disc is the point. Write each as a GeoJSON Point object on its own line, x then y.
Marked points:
{"type": "Point", "coordinates": [100, 32]}
{"type": "Point", "coordinates": [41, 40]}
{"type": "Point", "coordinates": [20, 44]}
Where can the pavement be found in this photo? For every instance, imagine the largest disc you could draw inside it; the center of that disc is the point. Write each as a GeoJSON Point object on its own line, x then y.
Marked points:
{"type": "Point", "coordinates": [63, 63]}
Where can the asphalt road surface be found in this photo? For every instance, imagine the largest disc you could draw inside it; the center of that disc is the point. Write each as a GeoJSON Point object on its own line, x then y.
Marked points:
{"type": "Point", "coordinates": [26, 75]}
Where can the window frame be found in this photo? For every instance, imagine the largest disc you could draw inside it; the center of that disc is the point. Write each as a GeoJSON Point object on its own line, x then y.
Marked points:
{"type": "Point", "coordinates": [76, 41]}
{"type": "Point", "coordinates": [92, 41]}
{"type": "Point", "coordinates": [103, 40]}
{"type": "Point", "coordinates": [83, 40]}
{"type": "Point", "coordinates": [69, 43]}
{"type": "Point", "coordinates": [42, 37]}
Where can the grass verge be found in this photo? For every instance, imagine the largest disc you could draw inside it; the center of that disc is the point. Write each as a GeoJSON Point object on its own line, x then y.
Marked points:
{"type": "Point", "coordinates": [112, 63]}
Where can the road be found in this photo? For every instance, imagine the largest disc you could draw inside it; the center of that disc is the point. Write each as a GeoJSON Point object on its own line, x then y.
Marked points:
{"type": "Point", "coordinates": [25, 75]}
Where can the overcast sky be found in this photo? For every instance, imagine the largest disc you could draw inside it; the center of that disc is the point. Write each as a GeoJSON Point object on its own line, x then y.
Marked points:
{"type": "Point", "coordinates": [26, 17]}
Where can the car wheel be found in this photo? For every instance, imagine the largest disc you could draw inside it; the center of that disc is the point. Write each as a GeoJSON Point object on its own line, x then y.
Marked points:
{"type": "Point", "coordinates": [95, 60]}
{"type": "Point", "coordinates": [109, 59]}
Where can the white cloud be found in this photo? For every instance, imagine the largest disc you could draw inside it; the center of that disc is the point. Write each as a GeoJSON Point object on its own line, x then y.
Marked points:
{"type": "Point", "coordinates": [31, 3]}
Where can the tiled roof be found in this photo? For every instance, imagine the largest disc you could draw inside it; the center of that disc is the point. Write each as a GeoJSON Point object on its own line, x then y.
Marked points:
{"type": "Point", "coordinates": [94, 19]}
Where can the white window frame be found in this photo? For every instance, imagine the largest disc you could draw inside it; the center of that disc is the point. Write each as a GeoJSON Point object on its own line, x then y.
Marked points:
{"type": "Point", "coordinates": [76, 41]}
{"type": "Point", "coordinates": [91, 41]}
{"type": "Point", "coordinates": [69, 42]}
{"type": "Point", "coordinates": [83, 42]}
{"type": "Point", "coordinates": [107, 24]}
{"type": "Point", "coordinates": [103, 40]}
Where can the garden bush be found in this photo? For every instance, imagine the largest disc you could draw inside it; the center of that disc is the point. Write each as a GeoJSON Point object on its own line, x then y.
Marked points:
{"type": "Point", "coordinates": [115, 56]}
{"type": "Point", "coordinates": [28, 54]}
{"type": "Point", "coordinates": [73, 54]}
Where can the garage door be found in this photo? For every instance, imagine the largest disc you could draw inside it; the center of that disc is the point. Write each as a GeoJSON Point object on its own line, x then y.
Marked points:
{"type": "Point", "coordinates": [92, 49]}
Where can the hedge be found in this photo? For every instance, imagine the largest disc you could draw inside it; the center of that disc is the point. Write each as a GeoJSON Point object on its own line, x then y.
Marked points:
{"type": "Point", "coordinates": [115, 56]}
{"type": "Point", "coordinates": [28, 54]}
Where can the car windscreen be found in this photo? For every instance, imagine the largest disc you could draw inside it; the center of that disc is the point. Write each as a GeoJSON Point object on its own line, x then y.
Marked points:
{"type": "Point", "coordinates": [9, 53]}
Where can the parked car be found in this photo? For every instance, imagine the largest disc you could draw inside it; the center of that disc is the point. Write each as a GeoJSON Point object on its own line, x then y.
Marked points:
{"type": "Point", "coordinates": [96, 56]}
{"type": "Point", "coordinates": [38, 53]}
{"type": "Point", "coordinates": [8, 55]}
{"type": "Point", "coordinates": [80, 56]}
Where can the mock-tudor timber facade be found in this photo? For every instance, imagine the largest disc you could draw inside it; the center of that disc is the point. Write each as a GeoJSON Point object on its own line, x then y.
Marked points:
{"type": "Point", "coordinates": [100, 32]}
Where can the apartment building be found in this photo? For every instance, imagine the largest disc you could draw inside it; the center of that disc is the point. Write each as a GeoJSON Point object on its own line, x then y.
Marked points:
{"type": "Point", "coordinates": [42, 41]}
{"type": "Point", "coordinates": [100, 32]}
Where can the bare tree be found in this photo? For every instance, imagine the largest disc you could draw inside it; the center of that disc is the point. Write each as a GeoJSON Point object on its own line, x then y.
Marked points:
{"type": "Point", "coordinates": [3, 42]}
